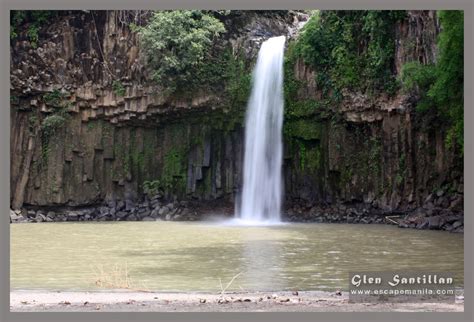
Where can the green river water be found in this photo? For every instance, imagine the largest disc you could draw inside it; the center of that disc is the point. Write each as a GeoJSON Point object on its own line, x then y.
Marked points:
{"type": "Point", "coordinates": [200, 256]}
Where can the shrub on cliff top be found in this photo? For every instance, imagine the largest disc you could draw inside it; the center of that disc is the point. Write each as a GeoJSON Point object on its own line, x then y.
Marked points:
{"type": "Point", "coordinates": [351, 49]}
{"type": "Point", "coordinates": [176, 44]}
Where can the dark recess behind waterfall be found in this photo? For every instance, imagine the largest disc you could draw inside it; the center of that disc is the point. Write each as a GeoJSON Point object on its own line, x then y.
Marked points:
{"type": "Point", "coordinates": [378, 154]}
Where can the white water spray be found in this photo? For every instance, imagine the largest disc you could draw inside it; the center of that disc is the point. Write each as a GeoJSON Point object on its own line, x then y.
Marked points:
{"type": "Point", "coordinates": [262, 182]}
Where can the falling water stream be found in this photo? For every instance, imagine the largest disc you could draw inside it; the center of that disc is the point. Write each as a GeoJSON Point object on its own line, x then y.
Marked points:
{"type": "Point", "coordinates": [262, 183]}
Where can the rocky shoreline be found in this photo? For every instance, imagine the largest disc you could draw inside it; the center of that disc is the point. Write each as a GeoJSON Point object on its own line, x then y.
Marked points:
{"type": "Point", "coordinates": [439, 212]}
{"type": "Point", "coordinates": [149, 210]}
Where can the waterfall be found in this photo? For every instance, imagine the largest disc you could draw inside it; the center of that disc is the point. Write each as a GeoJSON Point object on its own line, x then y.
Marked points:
{"type": "Point", "coordinates": [262, 181]}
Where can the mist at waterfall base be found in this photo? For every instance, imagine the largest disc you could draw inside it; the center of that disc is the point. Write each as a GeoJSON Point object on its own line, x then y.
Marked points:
{"type": "Point", "coordinates": [260, 202]}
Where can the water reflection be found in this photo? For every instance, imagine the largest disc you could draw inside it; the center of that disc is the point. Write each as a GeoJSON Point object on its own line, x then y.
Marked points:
{"type": "Point", "coordinates": [262, 262]}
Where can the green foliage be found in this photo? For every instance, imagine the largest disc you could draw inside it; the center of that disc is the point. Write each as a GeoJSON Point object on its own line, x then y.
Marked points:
{"type": "Point", "coordinates": [225, 71]}
{"type": "Point", "coordinates": [172, 176]}
{"type": "Point", "coordinates": [137, 153]}
{"type": "Point", "coordinates": [448, 89]}
{"type": "Point", "coordinates": [177, 44]}
{"type": "Point", "coordinates": [351, 49]}
{"type": "Point", "coordinates": [313, 159]}
{"type": "Point", "coordinates": [294, 106]}
{"type": "Point", "coordinates": [32, 33]}
{"type": "Point", "coordinates": [152, 187]}
{"type": "Point", "coordinates": [303, 129]}
{"type": "Point", "coordinates": [118, 88]}
{"type": "Point", "coordinates": [54, 98]}
{"type": "Point", "coordinates": [32, 19]}
{"type": "Point", "coordinates": [32, 123]}
{"type": "Point", "coordinates": [375, 156]}
{"type": "Point", "coordinates": [122, 155]}
{"type": "Point", "coordinates": [49, 127]}
{"type": "Point", "coordinates": [398, 179]}
{"type": "Point", "coordinates": [40, 17]}
{"type": "Point", "coordinates": [441, 86]}
{"type": "Point", "coordinates": [290, 84]}
{"type": "Point", "coordinates": [417, 78]}
{"type": "Point", "coordinates": [173, 165]}
{"type": "Point", "coordinates": [346, 174]}
{"type": "Point", "coordinates": [16, 19]}
{"type": "Point", "coordinates": [302, 117]}
{"type": "Point", "coordinates": [239, 81]}
{"type": "Point", "coordinates": [53, 122]}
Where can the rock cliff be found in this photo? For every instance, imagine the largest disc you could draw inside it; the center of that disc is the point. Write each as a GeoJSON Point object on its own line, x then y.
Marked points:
{"type": "Point", "coordinates": [114, 139]}
{"type": "Point", "coordinates": [364, 157]}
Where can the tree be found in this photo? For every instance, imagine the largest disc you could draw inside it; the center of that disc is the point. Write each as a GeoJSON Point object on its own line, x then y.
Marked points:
{"type": "Point", "coordinates": [176, 44]}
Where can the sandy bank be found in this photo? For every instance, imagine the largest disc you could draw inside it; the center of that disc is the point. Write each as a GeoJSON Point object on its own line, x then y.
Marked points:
{"type": "Point", "coordinates": [39, 301]}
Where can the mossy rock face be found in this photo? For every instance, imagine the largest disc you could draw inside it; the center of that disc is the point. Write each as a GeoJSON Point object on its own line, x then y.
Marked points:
{"type": "Point", "coordinates": [310, 157]}
{"type": "Point", "coordinates": [303, 129]}
{"type": "Point", "coordinates": [314, 159]}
